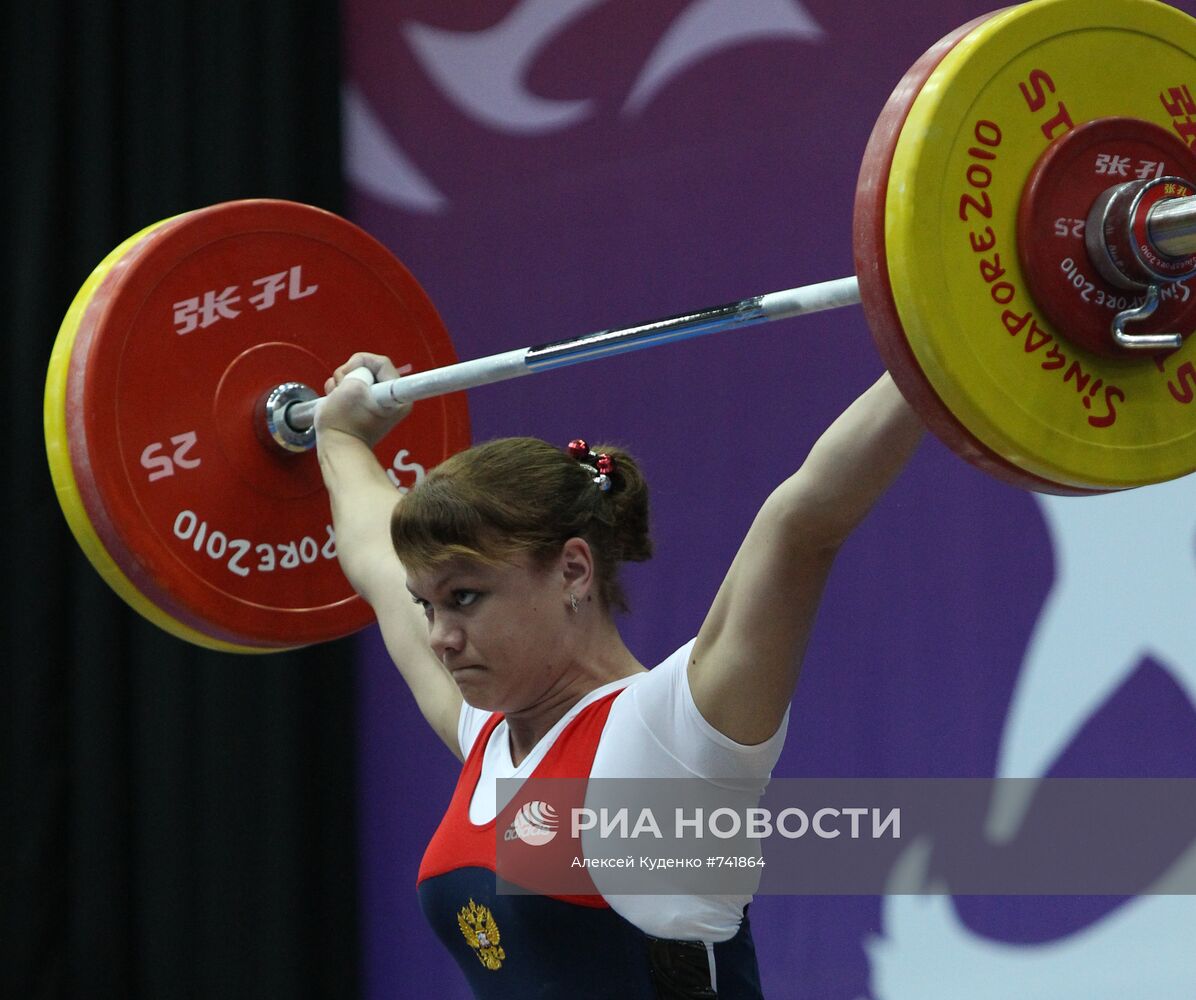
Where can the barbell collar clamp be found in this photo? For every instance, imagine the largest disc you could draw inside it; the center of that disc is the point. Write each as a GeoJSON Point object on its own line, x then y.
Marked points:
{"type": "Point", "coordinates": [275, 406]}
{"type": "Point", "coordinates": [1139, 234]}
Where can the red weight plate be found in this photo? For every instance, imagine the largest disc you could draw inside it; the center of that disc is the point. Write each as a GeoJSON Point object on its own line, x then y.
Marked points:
{"type": "Point", "coordinates": [223, 532]}
{"type": "Point", "coordinates": [1068, 178]}
{"type": "Point", "coordinates": [876, 293]}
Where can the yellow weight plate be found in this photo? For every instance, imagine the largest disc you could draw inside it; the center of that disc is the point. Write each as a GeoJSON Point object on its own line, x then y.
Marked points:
{"type": "Point", "coordinates": [62, 473]}
{"type": "Point", "coordinates": [995, 102]}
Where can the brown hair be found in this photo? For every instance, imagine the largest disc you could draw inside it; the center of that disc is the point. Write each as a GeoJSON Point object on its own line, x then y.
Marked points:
{"type": "Point", "coordinates": [522, 496]}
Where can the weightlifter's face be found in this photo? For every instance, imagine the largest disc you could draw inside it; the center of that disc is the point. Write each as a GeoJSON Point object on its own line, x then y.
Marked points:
{"type": "Point", "coordinates": [498, 630]}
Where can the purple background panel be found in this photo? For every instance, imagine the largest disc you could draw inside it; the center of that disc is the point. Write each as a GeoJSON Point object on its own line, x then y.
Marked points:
{"type": "Point", "coordinates": [551, 167]}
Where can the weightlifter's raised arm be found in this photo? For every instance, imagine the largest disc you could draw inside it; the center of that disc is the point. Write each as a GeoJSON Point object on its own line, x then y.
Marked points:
{"type": "Point", "coordinates": [363, 498]}
{"type": "Point", "coordinates": [746, 660]}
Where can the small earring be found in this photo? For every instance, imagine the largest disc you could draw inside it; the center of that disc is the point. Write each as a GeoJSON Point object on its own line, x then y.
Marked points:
{"type": "Point", "coordinates": [573, 602]}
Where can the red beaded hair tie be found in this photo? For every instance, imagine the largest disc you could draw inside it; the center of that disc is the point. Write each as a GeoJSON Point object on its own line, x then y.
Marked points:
{"type": "Point", "coordinates": [601, 466]}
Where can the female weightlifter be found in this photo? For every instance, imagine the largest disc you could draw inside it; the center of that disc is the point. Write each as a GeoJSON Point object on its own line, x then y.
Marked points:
{"type": "Point", "coordinates": [498, 611]}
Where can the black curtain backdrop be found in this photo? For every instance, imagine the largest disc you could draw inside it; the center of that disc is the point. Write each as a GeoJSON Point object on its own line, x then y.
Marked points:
{"type": "Point", "coordinates": [177, 823]}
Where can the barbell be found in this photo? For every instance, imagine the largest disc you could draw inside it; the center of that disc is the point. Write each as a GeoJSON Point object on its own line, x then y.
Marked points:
{"type": "Point", "coordinates": [1024, 230]}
